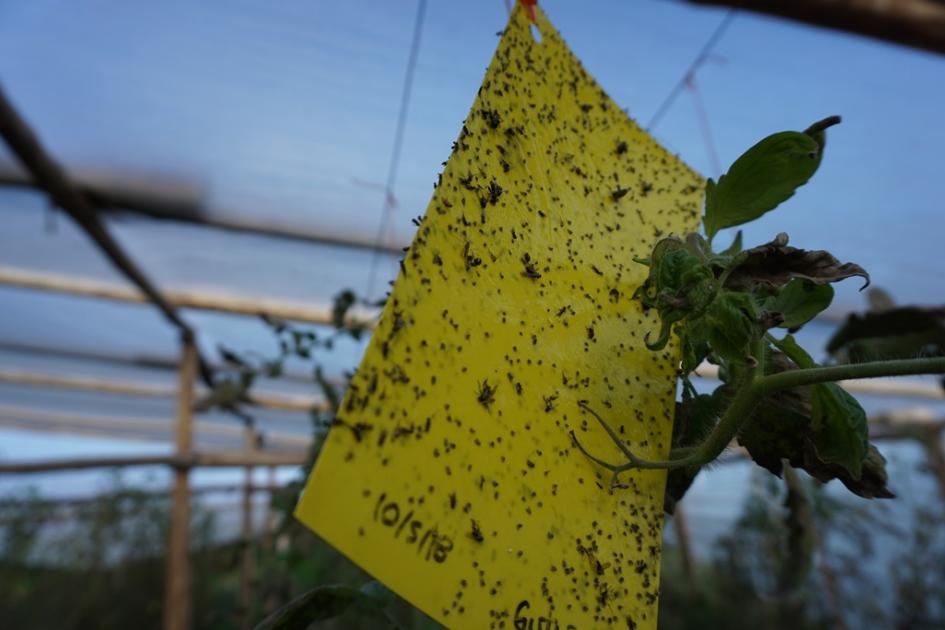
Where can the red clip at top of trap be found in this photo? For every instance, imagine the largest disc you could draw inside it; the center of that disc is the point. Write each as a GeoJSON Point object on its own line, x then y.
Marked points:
{"type": "Point", "coordinates": [530, 7]}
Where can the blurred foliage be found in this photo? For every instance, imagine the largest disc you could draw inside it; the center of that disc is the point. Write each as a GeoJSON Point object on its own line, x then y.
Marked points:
{"type": "Point", "coordinates": [101, 564]}
{"type": "Point", "coordinates": [871, 565]}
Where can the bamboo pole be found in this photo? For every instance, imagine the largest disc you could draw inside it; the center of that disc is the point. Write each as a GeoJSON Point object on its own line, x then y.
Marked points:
{"type": "Point", "coordinates": [297, 458]}
{"type": "Point", "coordinates": [270, 525]}
{"type": "Point", "coordinates": [829, 577]}
{"type": "Point", "coordinates": [202, 299]}
{"type": "Point", "coordinates": [279, 402]}
{"type": "Point", "coordinates": [248, 551]}
{"type": "Point", "coordinates": [681, 527]}
{"type": "Point", "coordinates": [194, 460]}
{"type": "Point", "coordinates": [46, 421]}
{"type": "Point", "coordinates": [935, 454]}
{"type": "Point", "coordinates": [905, 387]}
{"type": "Point", "coordinates": [85, 383]}
{"type": "Point", "coordinates": [82, 501]}
{"type": "Point", "coordinates": [177, 605]}
{"type": "Point", "coordinates": [148, 361]}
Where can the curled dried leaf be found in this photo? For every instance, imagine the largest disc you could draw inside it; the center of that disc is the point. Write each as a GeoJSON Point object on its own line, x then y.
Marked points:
{"type": "Point", "coordinates": [776, 263]}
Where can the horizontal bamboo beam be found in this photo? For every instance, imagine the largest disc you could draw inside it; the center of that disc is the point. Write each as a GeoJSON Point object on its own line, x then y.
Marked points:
{"type": "Point", "coordinates": [908, 388]}
{"type": "Point", "coordinates": [149, 361]}
{"type": "Point", "coordinates": [896, 388]}
{"type": "Point", "coordinates": [885, 427]}
{"type": "Point", "coordinates": [279, 402]}
{"type": "Point", "coordinates": [202, 300]}
{"type": "Point", "coordinates": [80, 430]}
{"type": "Point", "coordinates": [69, 513]}
{"type": "Point", "coordinates": [85, 383]}
{"type": "Point", "coordinates": [30, 419]}
{"type": "Point", "coordinates": [82, 501]}
{"type": "Point", "coordinates": [210, 459]}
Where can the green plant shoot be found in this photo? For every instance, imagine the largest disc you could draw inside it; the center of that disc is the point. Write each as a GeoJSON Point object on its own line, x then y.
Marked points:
{"type": "Point", "coordinates": [726, 307]}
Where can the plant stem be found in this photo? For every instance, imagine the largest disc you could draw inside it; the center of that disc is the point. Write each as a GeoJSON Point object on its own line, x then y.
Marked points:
{"type": "Point", "coordinates": [729, 424]}
{"type": "Point", "coordinates": [793, 351]}
{"type": "Point", "coordinates": [739, 411]}
{"type": "Point", "coordinates": [758, 352]}
{"type": "Point", "coordinates": [872, 369]}
{"type": "Point", "coordinates": [756, 387]}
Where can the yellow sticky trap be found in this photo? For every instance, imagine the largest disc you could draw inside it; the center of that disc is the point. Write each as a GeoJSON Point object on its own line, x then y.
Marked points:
{"type": "Point", "coordinates": [452, 476]}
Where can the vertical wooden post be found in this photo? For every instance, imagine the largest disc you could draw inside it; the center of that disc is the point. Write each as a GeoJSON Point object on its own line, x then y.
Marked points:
{"type": "Point", "coordinates": [681, 527]}
{"type": "Point", "coordinates": [936, 457]}
{"type": "Point", "coordinates": [177, 595]}
{"type": "Point", "coordinates": [270, 512]}
{"type": "Point", "coordinates": [831, 588]}
{"type": "Point", "coordinates": [248, 560]}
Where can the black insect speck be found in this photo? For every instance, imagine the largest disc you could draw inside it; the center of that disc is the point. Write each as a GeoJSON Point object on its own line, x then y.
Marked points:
{"type": "Point", "coordinates": [486, 394]}
{"type": "Point", "coordinates": [530, 270]}
{"type": "Point", "coordinates": [476, 532]}
{"type": "Point", "coordinates": [492, 118]}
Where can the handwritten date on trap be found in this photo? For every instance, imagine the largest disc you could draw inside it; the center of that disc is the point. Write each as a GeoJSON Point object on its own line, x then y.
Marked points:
{"type": "Point", "coordinates": [429, 543]}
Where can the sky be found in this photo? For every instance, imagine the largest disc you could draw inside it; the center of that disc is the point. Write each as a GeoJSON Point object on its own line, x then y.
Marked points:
{"type": "Point", "coordinates": [285, 112]}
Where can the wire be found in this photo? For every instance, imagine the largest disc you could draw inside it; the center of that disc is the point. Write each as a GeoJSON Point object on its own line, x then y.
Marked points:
{"type": "Point", "coordinates": [705, 126]}
{"type": "Point", "coordinates": [389, 199]}
{"type": "Point", "coordinates": [701, 58]}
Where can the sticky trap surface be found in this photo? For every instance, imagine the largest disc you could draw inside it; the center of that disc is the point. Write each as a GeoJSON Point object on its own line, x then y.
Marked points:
{"type": "Point", "coordinates": [451, 476]}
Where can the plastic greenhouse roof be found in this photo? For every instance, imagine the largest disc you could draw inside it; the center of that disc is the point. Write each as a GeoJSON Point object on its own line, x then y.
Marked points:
{"type": "Point", "coordinates": [279, 111]}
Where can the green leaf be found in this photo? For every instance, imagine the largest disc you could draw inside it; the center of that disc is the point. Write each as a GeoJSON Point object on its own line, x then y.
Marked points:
{"type": "Point", "coordinates": [775, 264]}
{"type": "Point", "coordinates": [694, 343]}
{"type": "Point", "coordinates": [778, 430]}
{"type": "Point", "coordinates": [762, 178]}
{"type": "Point", "coordinates": [840, 431]}
{"type": "Point", "coordinates": [782, 427]}
{"type": "Point", "coordinates": [342, 304]}
{"type": "Point", "coordinates": [818, 131]}
{"type": "Point", "coordinates": [799, 302]}
{"type": "Point", "coordinates": [224, 393]}
{"type": "Point", "coordinates": [231, 357]}
{"type": "Point", "coordinates": [731, 321]}
{"type": "Point", "coordinates": [795, 352]}
{"type": "Point", "coordinates": [679, 285]}
{"type": "Point", "coordinates": [735, 247]}
{"type": "Point", "coordinates": [380, 594]}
